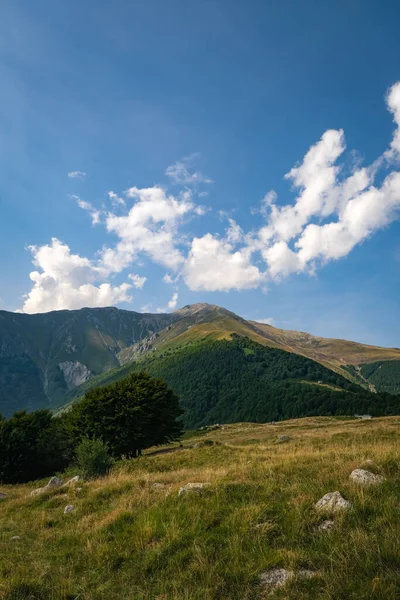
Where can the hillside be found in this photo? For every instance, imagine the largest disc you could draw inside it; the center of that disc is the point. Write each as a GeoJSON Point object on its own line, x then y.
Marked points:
{"type": "Point", "coordinates": [225, 381]}
{"type": "Point", "coordinates": [44, 356]}
{"type": "Point", "coordinates": [45, 359]}
{"type": "Point", "coordinates": [132, 537]}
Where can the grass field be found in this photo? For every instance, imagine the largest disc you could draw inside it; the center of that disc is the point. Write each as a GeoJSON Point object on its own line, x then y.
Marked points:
{"type": "Point", "coordinates": [129, 540]}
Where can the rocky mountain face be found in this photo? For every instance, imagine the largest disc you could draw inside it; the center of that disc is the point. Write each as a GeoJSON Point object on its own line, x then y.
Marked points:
{"type": "Point", "coordinates": [47, 358]}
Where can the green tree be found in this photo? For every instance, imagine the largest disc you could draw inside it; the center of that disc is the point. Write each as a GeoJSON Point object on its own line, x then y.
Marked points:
{"type": "Point", "coordinates": [93, 458]}
{"type": "Point", "coordinates": [32, 445]}
{"type": "Point", "coordinates": [130, 415]}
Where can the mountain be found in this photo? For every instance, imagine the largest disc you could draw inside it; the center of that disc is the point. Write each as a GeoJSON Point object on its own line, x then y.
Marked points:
{"type": "Point", "coordinates": [48, 359]}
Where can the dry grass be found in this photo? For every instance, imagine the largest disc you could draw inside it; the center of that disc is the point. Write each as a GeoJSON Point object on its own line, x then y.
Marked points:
{"type": "Point", "coordinates": [129, 540]}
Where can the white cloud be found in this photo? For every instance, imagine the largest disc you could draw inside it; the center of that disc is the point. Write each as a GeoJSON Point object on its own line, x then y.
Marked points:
{"type": "Point", "coordinates": [137, 280]}
{"type": "Point", "coordinates": [115, 199]}
{"type": "Point", "coordinates": [180, 173]}
{"type": "Point", "coordinates": [95, 214]}
{"type": "Point", "coordinates": [174, 301]}
{"type": "Point", "coordinates": [213, 265]}
{"type": "Point", "coordinates": [68, 281]}
{"type": "Point", "coordinates": [76, 174]}
{"type": "Point", "coordinates": [267, 321]}
{"type": "Point", "coordinates": [393, 102]}
{"type": "Point", "coordinates": [150, 227]}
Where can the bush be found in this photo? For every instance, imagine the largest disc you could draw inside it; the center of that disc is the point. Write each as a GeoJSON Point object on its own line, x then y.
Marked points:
{"type": "Point", "coordinates": [93, 458]}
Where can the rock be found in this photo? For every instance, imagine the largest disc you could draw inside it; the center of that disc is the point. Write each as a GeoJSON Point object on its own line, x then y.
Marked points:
{"type": "Point", "coordinates": [326, 525]}
{"type": "Point", "coordinates": [366, 477]}
{"type": "Point", "coordinates": [332, 502]}
{"type": "Point", "coordinates": [158, 486]}
{"type": "Point", "coordinates": [2, 495]}
{"type": "Point", "coordinates": [72, 481]}
{"type": "Point", "coordinates": [69, 509]}
{"type": "Point", "coordinates": [282, 439]}
{"type": "Point", "coordinates": [75, 373]}
{"type": "Point", "coordinates": [276, 578]}
{"type": "Point", "coordinates": [15, 538]}
{"type": "Point", "coordinates": [79, 489]}
{"type": "Point", "coordinates": [193, 488]}
{"type": "Point", "coordinates": [54, 482]}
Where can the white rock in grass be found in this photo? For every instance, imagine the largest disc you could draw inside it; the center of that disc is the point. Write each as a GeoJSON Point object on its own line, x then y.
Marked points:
{"type": "Point", "coordinates": [158, 486]}
{"type": "Point", "coordinates": [274, 579]}
{"type": "Point", "coordinates": [72, 481]}
{"type": "Point", "coordinates": [69, 509]}
{"type": "Point", "coordinates": [15, 538]}
{"type": "Point", "coordinates": [54, 482]}
{"type": "Point", "coordinates": [282, 439]}
{"type": "Point", "coordinates": [326, 525]}
{"type": "Point", "coordinates": [332, 502]}
{"type": "Point", "coordinates": [2, 495]}
{"type": "Point", "coordinates": [366, 477]}
{"type": "Point", "coordinates": [193, 488]}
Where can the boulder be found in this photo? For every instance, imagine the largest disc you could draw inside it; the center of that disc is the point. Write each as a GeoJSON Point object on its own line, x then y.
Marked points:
{"type": "Point", "coordinates": [69, 509]}
{"type": "Point", "coordinates": [2, 495]}
{"type": "Point", "coordinates": [53, 483]}
{"type": "Point", "coordinates": [366, 477]}
{"type": "Point", "coordinates": [332, 502]}
{"type": "Point", "coordinates": [158, 486]}
{"type": "Point", "coordinates": [15, 538]}
{"type": "Point", "coordinates": [191, 488]}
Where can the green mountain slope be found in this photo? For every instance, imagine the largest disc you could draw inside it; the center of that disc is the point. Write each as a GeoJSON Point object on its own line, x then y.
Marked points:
{"type": "Point", "coordinates": [44, 356]}
{"type": "Point", "coordinates": [240, 380]}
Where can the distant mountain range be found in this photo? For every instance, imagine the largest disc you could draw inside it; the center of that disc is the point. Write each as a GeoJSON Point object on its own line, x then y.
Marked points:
{"type": "Point", "coordinates": [46, 360]}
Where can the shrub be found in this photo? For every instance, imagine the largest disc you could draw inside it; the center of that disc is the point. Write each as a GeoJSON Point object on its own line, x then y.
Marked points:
{"type": "Point", "coordinates": [93, 458]}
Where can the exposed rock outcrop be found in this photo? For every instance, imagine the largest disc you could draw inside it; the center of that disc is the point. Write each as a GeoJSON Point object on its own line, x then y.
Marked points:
{"type": "Point", "coordinates": [75, 373]}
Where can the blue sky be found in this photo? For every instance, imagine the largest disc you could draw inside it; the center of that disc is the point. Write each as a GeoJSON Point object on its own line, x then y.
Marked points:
{"type": "Point", "coordinates": [144, 148]}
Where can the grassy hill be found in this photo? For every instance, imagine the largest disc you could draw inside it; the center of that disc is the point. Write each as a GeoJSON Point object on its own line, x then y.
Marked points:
{"type": "Point", "coordinates": [237, 379]}
{"type": "Point", "coordinates": [130, 540]}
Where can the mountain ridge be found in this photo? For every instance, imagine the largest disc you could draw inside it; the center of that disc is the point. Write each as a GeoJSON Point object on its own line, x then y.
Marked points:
{"type": "Point", "coordinates": [47, 356]}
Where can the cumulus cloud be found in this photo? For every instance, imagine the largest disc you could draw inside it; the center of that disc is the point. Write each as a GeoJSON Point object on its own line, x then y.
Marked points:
{"type": "Point", "coordinates": [337, 205]}
{"type": "Point", "coordinates": [76, 174]}
{"type": "Point", "coordinates": [137, 280]}
{"type": "Point", "coordinates": [214, 265]}
{"type": "Point", "coordinates": [68, 281]}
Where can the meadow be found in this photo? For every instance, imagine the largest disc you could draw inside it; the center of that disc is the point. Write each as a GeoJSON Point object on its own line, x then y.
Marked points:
{"type": "Point", "coordinates": [130, 539]}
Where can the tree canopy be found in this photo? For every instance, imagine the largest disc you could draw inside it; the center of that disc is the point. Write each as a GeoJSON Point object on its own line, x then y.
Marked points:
{"type": "Point", "coordinates": [130, 415]}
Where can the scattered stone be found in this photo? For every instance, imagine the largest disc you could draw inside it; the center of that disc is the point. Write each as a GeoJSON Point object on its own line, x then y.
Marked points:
{"type": "Point", "coordinates": [276, 578]}
{"type": "Point", "coordinates": [79, 489]}
{"type": "Point", "coordinates": [193, 488]}
{"type": "Point", "coordinates": [2, 495]}
{"type": "Point", "coordinates": [326, 525]}
{"type": "Point", "coordinates": [72, 481]}
{"type": "Point", "coordinates": [53, 483]}
{"type": "Point", "coordinates": [15, 538]}
{"type": "Point", "coordinates": [69, 509]}
{"type": "Point", "coordinates": [282, 439]}
{"type": "Point", "coordinates": [366, 477]}
{"type": "Point", "coordinates": [158, 486]}
{"type": "Point", "coordinates": [332, 502]}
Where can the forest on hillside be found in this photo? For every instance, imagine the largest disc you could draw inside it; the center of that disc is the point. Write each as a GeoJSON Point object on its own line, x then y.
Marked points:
{"type": "Point", "coordinates": [236, 380]}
